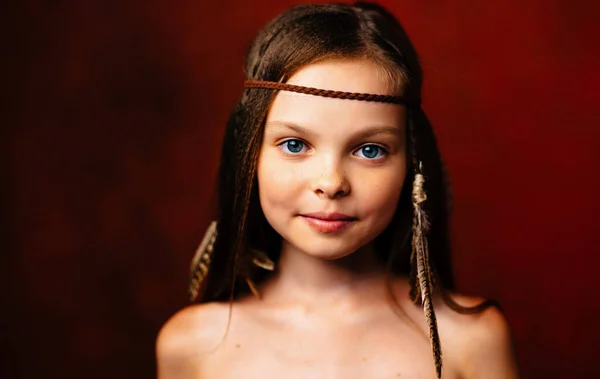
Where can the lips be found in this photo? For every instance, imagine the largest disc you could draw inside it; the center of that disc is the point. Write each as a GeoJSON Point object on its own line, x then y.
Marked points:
{"type": "Point", "coordinates": [328, 222]}
{"type": "Point", "coordinates": [335, 216]}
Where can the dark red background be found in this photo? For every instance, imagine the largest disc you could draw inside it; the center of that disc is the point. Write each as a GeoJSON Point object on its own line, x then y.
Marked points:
{"type": "Point", "coordinates": [116, 111]}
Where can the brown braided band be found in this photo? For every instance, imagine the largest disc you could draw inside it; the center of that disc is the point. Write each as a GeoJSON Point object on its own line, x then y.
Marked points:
{"type": "Point", "coordinates": [330, 93]}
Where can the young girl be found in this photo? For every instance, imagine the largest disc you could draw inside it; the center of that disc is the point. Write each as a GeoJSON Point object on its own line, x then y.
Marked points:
{"type": "Point", "coordinates": [330, 254]}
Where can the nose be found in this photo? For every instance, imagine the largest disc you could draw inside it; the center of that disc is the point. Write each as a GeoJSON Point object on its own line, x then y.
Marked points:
{"type": "Point", "coordinates": [331, 182]}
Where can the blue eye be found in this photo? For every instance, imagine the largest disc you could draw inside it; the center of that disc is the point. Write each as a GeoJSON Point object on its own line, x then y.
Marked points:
{"type": "Point", "coordinates": [372, 151]}
{"type": "Point", "coordinates": [293, 146]}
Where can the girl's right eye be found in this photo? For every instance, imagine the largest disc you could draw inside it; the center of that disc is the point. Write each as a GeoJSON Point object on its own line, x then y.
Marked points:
{"type": "Point", "coordinates": [292, 146]}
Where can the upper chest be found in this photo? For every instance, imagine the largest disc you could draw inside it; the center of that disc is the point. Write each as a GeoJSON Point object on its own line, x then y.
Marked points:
{"type": "Point", "coordinates": [387, 348]}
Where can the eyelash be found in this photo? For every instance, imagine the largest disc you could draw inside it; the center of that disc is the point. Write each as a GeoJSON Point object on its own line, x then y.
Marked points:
{"type": "Point", "coordinates": [381, 149]}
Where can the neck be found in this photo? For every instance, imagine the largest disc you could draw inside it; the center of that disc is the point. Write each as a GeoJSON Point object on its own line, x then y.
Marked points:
{"type": "Point", "coordinates": [310, 282]}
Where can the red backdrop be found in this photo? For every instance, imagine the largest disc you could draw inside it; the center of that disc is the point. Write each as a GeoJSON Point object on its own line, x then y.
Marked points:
{"type": "Point", "coordinates": [116, 111]}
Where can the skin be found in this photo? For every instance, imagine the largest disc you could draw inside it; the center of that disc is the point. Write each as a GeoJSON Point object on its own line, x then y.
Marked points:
{"type": "Point", "coordinates": [325, 311]}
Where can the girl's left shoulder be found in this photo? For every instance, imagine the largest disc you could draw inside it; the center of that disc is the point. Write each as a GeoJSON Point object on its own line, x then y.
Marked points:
{"type": "Point", "coordinates": [481, 341]}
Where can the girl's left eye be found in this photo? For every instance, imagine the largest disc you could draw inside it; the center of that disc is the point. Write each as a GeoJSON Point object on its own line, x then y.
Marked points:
{"type": "Point", "coordinates": [372, 151]}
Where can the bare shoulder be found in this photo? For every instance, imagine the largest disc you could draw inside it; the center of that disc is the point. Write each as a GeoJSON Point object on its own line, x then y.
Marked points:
{"type": "Point", "coordinates": [482, 340]}
{"type": "Point", "coordinates": [187, 336]}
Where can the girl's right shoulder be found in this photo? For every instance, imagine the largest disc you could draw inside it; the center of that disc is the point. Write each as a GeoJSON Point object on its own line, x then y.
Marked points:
{"type": "Point", "coordinates": [194, 322]}
{"type": "Point", "coordinates": [189, 335]}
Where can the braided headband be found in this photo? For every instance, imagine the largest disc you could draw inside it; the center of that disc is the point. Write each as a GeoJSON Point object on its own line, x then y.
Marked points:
{"type": "Point", "coordinates": [330, 93]}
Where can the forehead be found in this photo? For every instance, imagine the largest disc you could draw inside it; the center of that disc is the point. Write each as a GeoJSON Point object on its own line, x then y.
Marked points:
{"type": "Point", "coordinates": [338, 75]}
{"type": "Point", "coordinates": [344, 75]}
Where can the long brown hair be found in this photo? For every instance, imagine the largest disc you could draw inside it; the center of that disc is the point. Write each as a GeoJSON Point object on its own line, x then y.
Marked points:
{"type": "Point", "coordinates": [300, 36]}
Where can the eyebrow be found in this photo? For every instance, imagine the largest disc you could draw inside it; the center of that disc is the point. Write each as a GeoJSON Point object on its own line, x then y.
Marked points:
{"type": "Point", "coordinates": [370, 132]}
{"type": "Point", "coordinates": [290, 125]}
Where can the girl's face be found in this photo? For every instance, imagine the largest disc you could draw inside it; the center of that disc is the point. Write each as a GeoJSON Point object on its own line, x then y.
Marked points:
{"type": "Point", "coordinates": [330, 171]}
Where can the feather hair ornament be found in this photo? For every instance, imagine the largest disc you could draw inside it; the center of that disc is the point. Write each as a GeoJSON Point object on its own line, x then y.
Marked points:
{"type": "Point", "coordinates": [202, 258]}
{"type": "Point", "coordinates": [262, 260]}
{"type": "Point", "coordinates": [420, 259]}
{"type": "Point", "coordinates": [201, 261]}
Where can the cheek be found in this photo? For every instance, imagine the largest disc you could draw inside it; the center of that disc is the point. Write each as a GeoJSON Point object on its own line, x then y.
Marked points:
{"type": "Point", "coordinates": [380, 193]}
{"type": "Point", "coordinates": [277, 183]}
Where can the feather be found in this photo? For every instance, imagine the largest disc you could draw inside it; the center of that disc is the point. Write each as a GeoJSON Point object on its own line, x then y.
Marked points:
{"type": "Point", "coordinates": [262, 260]}
{"type": "Point", "coordinates": [424, 275]}
{"type": "Point", "coordinates": [201, 261]}
{"type": "Point", "coordinates": [253, 288]}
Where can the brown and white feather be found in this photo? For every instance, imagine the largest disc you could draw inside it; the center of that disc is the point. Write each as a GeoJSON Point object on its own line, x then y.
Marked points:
{"type": "Point", "coordinates": [420, 253]}
{"type": "Point", "coordinates": [201, 261]}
